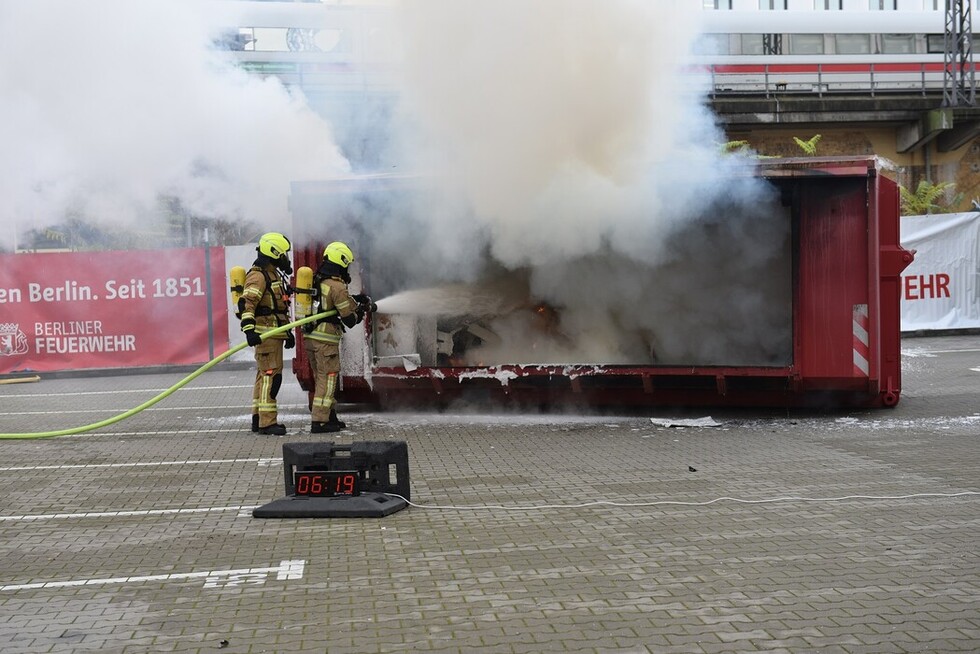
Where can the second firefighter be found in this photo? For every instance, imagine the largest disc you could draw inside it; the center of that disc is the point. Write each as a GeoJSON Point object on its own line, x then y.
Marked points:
{"type": "Point", "coordinates": [322, 338]}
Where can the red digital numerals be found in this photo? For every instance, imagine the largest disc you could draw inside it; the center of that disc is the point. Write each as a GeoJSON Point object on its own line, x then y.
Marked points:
{"type": "Point", "coordinates": [326, 484]}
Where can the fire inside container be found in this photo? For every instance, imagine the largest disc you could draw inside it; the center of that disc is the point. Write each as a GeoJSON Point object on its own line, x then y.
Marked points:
{"type": "Point", "coordinates": [789, 299]}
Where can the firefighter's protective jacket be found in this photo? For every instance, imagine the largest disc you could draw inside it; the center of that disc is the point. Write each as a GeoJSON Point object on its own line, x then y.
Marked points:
{"type": "Point", "coordinates": [333, 295]}
{"type": "Point", "coordinates": [264, 299]}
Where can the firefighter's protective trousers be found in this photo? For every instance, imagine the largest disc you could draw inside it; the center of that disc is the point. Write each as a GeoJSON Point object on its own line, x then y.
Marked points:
{"type": "Point", "coordinates": [264, 305]}
{"type": "Point", "coordinates": [268, 379]}
{"type": "Point", "coordinates": [323, 345]}
{"type": "Point", "coordinates": [324, 361]}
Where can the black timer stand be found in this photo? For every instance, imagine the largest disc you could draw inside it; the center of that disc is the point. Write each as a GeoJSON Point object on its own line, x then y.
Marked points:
{"type": "Point", "coordinates": [327, 480]}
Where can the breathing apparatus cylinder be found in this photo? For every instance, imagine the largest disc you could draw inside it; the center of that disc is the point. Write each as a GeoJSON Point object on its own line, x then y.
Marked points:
{"type": "Point", "coordinates": [237, 277]}
{"type": "Point", "coordinates": [304, 292]}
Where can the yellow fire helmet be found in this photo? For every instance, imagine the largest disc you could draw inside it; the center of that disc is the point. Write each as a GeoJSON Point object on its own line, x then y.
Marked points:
{"type": "Point", "coordinates": [273, 245]}
{"type": "Point", "coordinates": [339, 254]}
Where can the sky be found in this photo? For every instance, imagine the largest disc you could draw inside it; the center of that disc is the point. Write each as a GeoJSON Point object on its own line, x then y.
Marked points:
{"type": "Point", "coordinates": [578, 163]}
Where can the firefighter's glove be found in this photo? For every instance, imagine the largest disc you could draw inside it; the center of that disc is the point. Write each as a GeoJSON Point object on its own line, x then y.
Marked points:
{"type": "Point", "coordinates": [365, 303]}
{"type": "Point", "coordinates": [290, 340]}
{"type": "Point", "coordinates": [251, 336]}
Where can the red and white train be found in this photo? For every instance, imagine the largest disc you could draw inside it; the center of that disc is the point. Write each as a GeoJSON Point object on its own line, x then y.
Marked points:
{"type": "Point", "coordinates": [824, 51]}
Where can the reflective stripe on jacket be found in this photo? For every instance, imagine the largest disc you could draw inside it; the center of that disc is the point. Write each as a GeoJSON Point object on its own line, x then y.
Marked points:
{"type": "Point", "coordinates": [269, 311]}
{"type": "Point", "coordinates": [333, 295]}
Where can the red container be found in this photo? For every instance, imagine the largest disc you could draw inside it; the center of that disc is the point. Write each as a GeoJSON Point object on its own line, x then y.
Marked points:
{"type": "Point", "coordinates": [842, 272]}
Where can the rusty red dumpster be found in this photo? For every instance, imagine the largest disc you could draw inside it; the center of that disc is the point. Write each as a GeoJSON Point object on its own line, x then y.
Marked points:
{"type": "Point", "coordinates": [827, 333]}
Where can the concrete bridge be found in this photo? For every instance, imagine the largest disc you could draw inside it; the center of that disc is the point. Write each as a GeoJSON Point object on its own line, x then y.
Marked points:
{"type": "Point", "coordinates": [917, 118]}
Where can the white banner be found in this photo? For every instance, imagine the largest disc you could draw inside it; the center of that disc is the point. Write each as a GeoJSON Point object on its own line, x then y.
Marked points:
{"type": "Point", "coordinates": [244, 256]}
{"type": "Point", "coordinates": [941, 288]}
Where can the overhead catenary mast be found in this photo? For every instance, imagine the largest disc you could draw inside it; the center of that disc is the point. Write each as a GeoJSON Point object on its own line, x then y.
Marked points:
{"type": "Point", "coordinates": [959, 78]}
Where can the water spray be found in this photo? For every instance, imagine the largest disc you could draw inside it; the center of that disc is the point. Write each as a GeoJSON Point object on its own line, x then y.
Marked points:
{"type": "Point", "coordinates": [183, 382]}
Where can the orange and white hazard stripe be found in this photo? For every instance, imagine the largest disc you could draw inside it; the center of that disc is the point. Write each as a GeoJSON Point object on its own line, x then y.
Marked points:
{"type": "Point", "coordinates": [862, 346]}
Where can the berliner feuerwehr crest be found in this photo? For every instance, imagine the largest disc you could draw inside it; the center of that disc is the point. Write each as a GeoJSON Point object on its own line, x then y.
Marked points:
{"type": "Point", "coordinates": [12, 340]}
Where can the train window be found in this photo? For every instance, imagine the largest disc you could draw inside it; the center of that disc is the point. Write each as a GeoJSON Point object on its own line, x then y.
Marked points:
{"type": "Point", "coordinates": [716, 4]}
{"type": "Point", "coordinates": [713, 44]}
{"type": "Point", "coordinates": [882, 5]}
{"type": "Point", "coordinates": [806, 44]}
{"type": "Point", "coordinates": [773, 4]}
{"type": "Point", "coordinates": [852, 43]}
{"type": "Point", "coordinates": [752, 44]}
{"type": "Point", "coordinates": [935, 43]}
{"type": "Point", "coordinates": [897, 44]}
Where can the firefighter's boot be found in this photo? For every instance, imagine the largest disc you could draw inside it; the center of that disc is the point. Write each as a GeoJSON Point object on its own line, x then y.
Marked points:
{"type": "Point", "coordinates": [255, 422]}
{"type": "Point", "coordinates": [324, 427]}
{"type": "Point", "coordinates": [334, 420]}
{"type": "Point", "coordinates": [273, 430]}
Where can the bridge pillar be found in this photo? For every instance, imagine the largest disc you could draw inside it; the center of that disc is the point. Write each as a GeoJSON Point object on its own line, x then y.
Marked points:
{"type": "Point", "coordinates": [930, 125]}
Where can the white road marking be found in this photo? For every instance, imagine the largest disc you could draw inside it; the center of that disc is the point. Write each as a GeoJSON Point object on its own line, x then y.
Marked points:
{"type": "Point", "coordinates": [169, 432]}
{"type": "Point", "coordinates": [229, 430]}
{"type": "Point", "coordinates": [119, 514]}
{"type": "Point", "coordinates": [234, 407]}
{"type": "Point", "coordinates": [261, 462]}
{"type": "Point", "coordinates": [89, 434]}
{"type": "Point", "coordinates": [286, 570]}
{"type": "Point", "coordinates": [132, 390]}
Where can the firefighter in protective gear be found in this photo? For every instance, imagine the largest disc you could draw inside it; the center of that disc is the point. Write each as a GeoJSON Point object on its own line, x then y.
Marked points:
{"type": "Point", "coordinates": [322, 338]}
{"type": "Point", "coordinates": [263, 306]}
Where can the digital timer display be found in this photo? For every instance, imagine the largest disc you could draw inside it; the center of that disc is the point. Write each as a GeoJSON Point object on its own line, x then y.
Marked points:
{"type": "Point", "coordinates": [321, 483]}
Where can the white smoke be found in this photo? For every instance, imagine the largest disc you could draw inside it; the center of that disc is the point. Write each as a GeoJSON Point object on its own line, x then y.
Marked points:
{"type": "Point", "coordinates": [107, 104]}
{"type": "Point", "coordinates": [576, 162]}
{"type": "Point", "coordinates": [552, 116]}
{"type": "Point", "coordinates": [579, 145]}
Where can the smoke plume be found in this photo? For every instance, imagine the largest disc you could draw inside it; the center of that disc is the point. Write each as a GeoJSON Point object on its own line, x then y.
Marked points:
{"type": "Point", "coordinates": [576, 158]}
{"type": "Point", "coordinates": [574, 169]}
{"type": "Point", "coordinates": [105, 105]}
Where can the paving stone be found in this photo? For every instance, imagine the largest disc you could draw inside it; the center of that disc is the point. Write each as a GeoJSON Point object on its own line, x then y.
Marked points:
{"type": "Point", "coordinates": [137, 532]}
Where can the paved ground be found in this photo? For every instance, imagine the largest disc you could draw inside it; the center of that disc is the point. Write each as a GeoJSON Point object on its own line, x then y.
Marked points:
{"type": "Point", "coordinates": [139, 537]}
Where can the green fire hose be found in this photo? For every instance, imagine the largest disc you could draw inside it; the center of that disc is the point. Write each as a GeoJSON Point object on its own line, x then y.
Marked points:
{"type": "Point", "coordinates": [183, 382]}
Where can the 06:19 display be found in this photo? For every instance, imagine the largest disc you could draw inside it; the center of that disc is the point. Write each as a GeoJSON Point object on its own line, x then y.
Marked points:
{"type": "Point", "coordinates": [325, 484]}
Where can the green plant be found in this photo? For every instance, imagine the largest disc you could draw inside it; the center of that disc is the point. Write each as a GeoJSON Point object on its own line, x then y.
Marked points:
{"type": "Point", "coordinates": [809, 147]}
{"type": "Point", "coordinates": [924, 200]}
{"type": "Point", "coordinates": [735, 147]}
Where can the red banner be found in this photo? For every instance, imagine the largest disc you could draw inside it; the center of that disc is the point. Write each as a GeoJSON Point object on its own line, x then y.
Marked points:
{"type": "Point", "coordinates": [78, 310]}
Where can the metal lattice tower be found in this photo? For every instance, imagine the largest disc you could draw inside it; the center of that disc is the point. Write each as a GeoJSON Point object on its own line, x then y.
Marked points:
{"type": "Point", "coordinates": [772, 44]}
{"type": "Point", "coordinates": [959, 79]}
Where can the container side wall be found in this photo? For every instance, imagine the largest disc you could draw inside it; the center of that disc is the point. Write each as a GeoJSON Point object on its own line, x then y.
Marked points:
{"type": "Point", "coordinates": [893, 259]}
{"type": "Point", "coordinates": [833, 278]}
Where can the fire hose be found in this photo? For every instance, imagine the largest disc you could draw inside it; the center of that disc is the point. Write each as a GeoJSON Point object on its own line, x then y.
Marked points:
{"type": "Point", "coordinates": [183, 382]}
